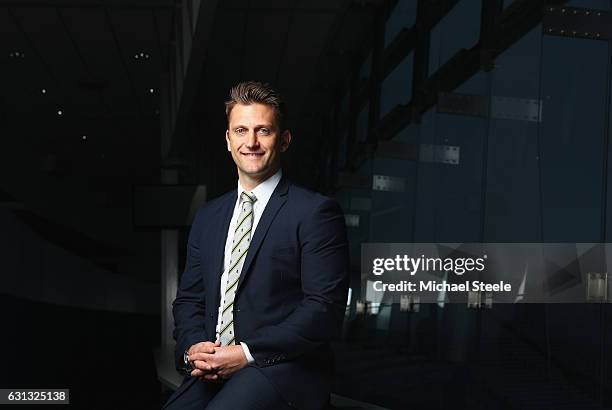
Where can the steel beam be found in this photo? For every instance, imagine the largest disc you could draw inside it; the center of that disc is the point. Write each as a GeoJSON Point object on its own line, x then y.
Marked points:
{"type": "Point", "coordinates": [517, 20]}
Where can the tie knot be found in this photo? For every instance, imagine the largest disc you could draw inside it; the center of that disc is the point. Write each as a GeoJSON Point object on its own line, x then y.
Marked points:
{"type": "Point", "coordinates": [248, 197]}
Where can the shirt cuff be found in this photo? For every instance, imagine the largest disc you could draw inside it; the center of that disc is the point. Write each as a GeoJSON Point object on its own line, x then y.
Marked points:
{"type": "Point", "coordinates": [247, 352]}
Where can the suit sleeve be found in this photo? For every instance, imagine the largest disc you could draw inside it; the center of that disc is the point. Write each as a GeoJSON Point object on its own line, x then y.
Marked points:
{"type": "Point", "coordinates": [325, 273]}
{"type": "Point", "coordinates": [189, 306]}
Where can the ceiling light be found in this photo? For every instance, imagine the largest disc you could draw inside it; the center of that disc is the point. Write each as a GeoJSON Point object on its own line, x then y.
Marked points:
{"type": "Point", "coordinates": [84, 137]}
{"type": "Point", "coordinates": [151, 90]}
{"type": "Point", "coordinates": [17, 54]}
{"type": "Point", "coordinates": [59, 112]}
{"type": "Point", "coordinates": [141, 55]}
{"type": "Point", "coordinates": [44, 91]}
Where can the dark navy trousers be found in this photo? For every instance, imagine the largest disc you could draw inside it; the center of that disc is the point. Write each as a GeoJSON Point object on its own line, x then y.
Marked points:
{"type": "Point", "coordinates": [247, 389]}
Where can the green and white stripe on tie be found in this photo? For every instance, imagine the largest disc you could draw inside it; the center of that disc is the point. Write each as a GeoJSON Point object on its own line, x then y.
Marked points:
{"type": "Point", "coordinates": [240, 246]}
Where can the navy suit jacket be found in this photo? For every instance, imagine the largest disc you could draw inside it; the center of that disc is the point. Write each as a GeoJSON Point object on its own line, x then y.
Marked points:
{"type": "Point", "coordinates": [291, 295]}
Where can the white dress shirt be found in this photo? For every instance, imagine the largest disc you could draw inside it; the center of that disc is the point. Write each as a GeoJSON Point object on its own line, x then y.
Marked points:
{"type": "Point", "coordinates": [262, 192]}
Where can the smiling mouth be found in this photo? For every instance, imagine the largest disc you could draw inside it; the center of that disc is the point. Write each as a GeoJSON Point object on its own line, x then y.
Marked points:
{"type": "Point", "coordinates": [252, 154]}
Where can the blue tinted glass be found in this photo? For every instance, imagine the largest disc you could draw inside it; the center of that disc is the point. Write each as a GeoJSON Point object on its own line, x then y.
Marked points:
{"type": "Point", "coordinates": [574, 120]}
{"type": "Point", "coordinates": [366, 67]}
{"type": "Point", "coordinates": [362, 123]}
{"type": "Point", "coordinates": [449, 195]}
{"type": "Point", "coordinates": [402, 16]}
{"type": "Point", "coordinates": [590, 4]}
{"type": "Point", "coordinates": [357, 211]}
{"type": "Point", "coordinates": [513, 200]}
{"type": "Point", "coordinates": [460, 28]}
{"type": "Point", "coordinates": [396, 88]}
{"type": "Point", "coordinates": [392, 218]}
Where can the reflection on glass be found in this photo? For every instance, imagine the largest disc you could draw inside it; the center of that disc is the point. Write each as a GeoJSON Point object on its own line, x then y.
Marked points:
{"type": "Point", "coordinates": [597, 287]}
{"type": "Point", "coordinates": [396, 88]}
{"type": "Point", "coordinates": [362, 124]}
{"type": "Point", "coordinates": [402, 16]}
{"type": "Point", "coordinates": [460, 28]}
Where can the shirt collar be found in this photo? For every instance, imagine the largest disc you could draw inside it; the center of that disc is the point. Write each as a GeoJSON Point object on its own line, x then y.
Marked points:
{"type": "Point", "coordinates": [263, 191]}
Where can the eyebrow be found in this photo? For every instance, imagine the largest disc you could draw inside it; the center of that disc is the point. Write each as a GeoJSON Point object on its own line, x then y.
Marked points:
{"type": "Point", "coordinates": [256, 126]}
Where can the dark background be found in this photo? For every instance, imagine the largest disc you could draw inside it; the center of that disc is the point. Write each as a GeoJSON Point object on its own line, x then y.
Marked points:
{"type": "Point", "coordinates": [428, 120]}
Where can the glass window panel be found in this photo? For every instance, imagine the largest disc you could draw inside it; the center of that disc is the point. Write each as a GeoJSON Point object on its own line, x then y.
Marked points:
{"type": "Point", "coordinates": [449, 195]}
{"type": "Point", "coordinates": [362, 123]}
{"type": "Point", "coordinates": [396, 88]}
{"type": "Point", "coordinates": [393, 212]}
{"type": "Point", "coordinates": [408, 135]}
{"type": "Point", "coordinates": [354, 200]}
{"type": "Point", "coordinates": [571, 129]}
{"type": "Point", "coordinates": [403, 15]}
{"type": "Point", "coordinates": [608, 220]}
{"type": "Point", "coordinates": [574, 118]}
{"type": "Point", "coordinates": [366, 68]}
{"type": "Point", "coordinates": [574, 89]}
{"type": "Point", "coordinates": [590, 4]}
{"type": "Point", "coordinates": [513, 199]}
{"type": "Point", "coordinates": [588, 342]}
{"type": "Point", "coordinates": [460, 28]}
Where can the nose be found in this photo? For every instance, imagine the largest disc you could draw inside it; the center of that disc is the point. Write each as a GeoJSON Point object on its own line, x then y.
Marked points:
{"type": "Point", "coordinates": [251, 141]}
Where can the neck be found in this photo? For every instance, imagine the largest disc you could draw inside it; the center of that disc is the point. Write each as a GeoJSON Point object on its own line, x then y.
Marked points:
{"type": "Point", "coordinates": [250, 182]}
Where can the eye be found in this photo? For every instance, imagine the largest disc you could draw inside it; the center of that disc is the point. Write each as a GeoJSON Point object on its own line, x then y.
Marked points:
{"type": "Point", "coordinates": [264, 131]}
{"type": "Point", "coordinates": [240, 130]}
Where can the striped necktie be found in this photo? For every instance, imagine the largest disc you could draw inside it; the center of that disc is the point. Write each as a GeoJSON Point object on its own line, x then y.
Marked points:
{"type": "Point", "coordinates": [240, 246]}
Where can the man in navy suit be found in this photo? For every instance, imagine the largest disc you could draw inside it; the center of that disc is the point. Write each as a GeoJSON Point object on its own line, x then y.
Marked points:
{"type": "Point", "coordinates": [266, 278]}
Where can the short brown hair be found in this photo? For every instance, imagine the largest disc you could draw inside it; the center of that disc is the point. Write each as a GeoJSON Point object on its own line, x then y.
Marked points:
{"type": "Point", "coordinates": [252, 92]}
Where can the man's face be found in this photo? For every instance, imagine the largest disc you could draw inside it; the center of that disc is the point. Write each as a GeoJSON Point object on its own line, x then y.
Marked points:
{"type": "Point", "coordinates": [255, 142]}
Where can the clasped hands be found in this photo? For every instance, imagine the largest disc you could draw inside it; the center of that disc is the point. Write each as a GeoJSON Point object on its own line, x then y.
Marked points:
{"type": "Point", "coordinates": [211, 361]}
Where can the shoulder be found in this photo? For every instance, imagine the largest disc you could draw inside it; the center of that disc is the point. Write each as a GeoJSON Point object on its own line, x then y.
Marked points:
{"type": "Point", "coordinates": [317, 217]}
{"type": "Point", "coordinates": [307, 202]}
{"type": "Point", "coordinates": [215, 206]}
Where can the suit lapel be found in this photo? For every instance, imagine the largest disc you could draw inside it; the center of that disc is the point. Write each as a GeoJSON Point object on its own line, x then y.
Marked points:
{"type": "Point", "coordinates": [276, 202]}
{"type": "Point", "coordinates": [217, 248]}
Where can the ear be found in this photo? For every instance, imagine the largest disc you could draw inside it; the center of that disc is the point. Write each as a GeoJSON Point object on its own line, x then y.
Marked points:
{"type": "Point", "coordinates": [229, 147]}
{"type": "Point", "coordinates": [285, 140]}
